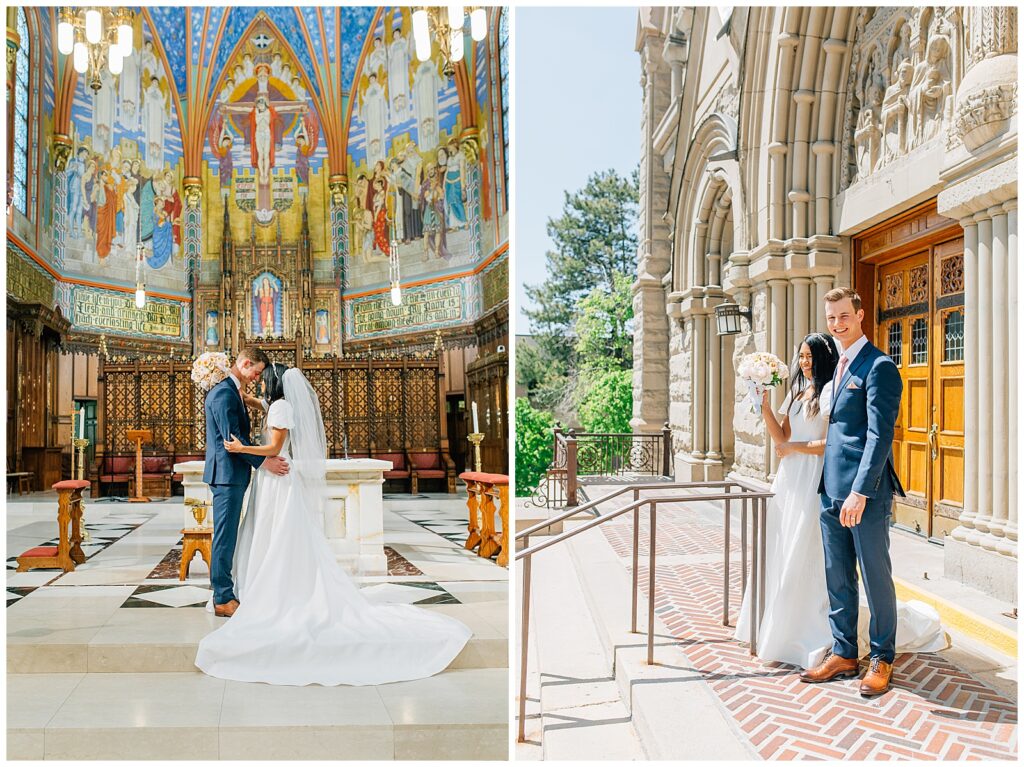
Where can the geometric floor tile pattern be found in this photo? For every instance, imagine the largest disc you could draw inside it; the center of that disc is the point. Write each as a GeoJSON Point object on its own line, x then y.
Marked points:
{"type": "Point", "coordinates": [936, 710]}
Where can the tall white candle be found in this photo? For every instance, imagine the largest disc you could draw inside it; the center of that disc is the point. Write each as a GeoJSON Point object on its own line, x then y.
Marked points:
{"type": "Point", "coordinates": [81, 422]}
{"type": "Point", "coordinates": [476, 424]}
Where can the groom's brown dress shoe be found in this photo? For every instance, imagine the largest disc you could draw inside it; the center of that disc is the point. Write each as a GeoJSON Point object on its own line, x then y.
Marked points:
{"type": "Point", "coordinates": [877, 680]}
{"type": "Point", "coordinates": [831, 667]}
{"type": "Point", "coordinates": [226, 610]}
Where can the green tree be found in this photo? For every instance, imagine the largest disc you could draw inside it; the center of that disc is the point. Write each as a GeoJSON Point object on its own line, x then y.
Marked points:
{"type": "Point", "coordinates": [606, 402]}
{"type": "Point", "coordinates": [533, 445]}
{"type": "Point", "coordinates": [603, 338]}
{"type": "Point", "coordinates": [595, 241]}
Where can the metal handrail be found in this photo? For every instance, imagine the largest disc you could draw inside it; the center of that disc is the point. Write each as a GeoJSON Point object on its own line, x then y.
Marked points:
{"type": "Point", "coordinates": [760, 504]}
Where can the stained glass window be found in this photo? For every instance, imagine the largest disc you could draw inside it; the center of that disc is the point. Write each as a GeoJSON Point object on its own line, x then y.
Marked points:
{"type": "Point", "coordinates": [503, 73]}
{"type": "Point", "coordinates": [919, 342]}
{"type": "Point", "coordinates": [21, 117]}
{"type": "Point", "coordinates": [954, 335]}
{"type": "Point", "coordinates": [896, 342]}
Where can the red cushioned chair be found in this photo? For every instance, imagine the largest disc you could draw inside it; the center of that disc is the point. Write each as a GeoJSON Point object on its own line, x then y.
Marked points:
{"type": "Point", "coordinates": [156, 476]}
{"type": "Point", "coordinates": [114, 469]}
{"type": "Point", "coordinates": [399, 467]}
{"type": "Point", "coordinates": [431, 464]}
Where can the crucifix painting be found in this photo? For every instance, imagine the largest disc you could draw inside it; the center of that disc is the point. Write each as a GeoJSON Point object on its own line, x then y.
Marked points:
{"type": "Point", "coordinates": [263, 127]}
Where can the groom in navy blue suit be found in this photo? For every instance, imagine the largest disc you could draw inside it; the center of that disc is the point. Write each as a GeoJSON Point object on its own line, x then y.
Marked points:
{"type": "Point", "coordinates": [856, 488]}
{"type": "Point", "coordinates": [228, 474]}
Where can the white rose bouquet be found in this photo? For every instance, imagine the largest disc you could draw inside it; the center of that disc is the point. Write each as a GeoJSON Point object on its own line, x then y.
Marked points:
{"type": "Point", "coordinates": [760, 371]}
{"type": "Point", "coordinates": [209, 369]}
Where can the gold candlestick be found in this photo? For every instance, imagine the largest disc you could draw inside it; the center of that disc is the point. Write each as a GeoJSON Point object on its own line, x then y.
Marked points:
{"type": "Point", "coordinates": [81, 444]}
{"type": "Point", "coordinates": [476, 438]}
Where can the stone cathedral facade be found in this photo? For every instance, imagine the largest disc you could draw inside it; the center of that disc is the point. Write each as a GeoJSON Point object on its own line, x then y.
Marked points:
{"type": "Point", "coordinates": [787, 151]}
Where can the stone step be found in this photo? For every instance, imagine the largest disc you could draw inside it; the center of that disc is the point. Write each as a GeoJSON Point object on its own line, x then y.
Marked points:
{"type": "Point", "coordinates": [458, 714]}
{"type": "Point", "coordinates": [659, 697]}
{"type": "Point", "coordinates": [160, 641]}
{"type": "Point", "coordinates": [582, 713]}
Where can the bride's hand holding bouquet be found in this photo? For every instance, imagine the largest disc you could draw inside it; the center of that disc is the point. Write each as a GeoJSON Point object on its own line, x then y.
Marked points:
{"type": "Point", "coordinates": [761, 371]}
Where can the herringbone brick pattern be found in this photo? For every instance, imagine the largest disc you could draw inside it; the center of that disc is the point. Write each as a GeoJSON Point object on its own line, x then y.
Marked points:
{"type": "Point", "coordinates": [936, 710]}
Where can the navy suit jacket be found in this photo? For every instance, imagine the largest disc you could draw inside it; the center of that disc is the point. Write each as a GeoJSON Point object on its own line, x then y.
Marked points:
{"type": "Point", "coordinates": [226, 415]}
{"type": "Point", "coordinates": [858, 449]}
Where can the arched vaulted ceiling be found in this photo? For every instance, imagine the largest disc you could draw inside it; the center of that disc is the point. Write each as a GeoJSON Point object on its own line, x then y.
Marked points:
{"type": "Point", "coordinates": [197, 43]}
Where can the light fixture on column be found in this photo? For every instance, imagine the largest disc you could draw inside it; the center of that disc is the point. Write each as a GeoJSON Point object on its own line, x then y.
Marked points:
{"type": "Point", "coordinates": [449, 27]}
{"type": "Point", "coordinates": [94, 38]}
{"type": "Point", "coordinates": [728, 317]}
{"type": "Point", "coordinates": [140, 286]}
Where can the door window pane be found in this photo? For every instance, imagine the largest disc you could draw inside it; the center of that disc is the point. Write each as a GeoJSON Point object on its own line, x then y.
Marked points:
{"type": "Point", "coordinates": [919, 342]}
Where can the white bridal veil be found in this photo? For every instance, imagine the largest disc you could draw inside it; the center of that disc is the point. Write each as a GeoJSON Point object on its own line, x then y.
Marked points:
{"type": "Point", "coordinates": [308, 440]}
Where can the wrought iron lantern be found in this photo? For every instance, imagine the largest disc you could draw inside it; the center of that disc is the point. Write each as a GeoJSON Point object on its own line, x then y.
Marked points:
{"type": "Point", "coordinates": [728, 317]}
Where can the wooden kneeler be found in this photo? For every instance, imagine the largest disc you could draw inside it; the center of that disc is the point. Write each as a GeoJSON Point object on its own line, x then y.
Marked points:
{"type": "Point", "coordinates": [68, 551]}
{"type": "Point", "coordinates": [483, 489]}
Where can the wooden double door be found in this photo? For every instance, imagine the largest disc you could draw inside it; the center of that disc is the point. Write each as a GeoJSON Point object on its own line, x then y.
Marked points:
{"type": "Point", "coordinates": [915, 267]}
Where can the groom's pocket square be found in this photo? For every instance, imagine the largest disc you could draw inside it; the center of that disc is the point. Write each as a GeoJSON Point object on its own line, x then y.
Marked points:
{"type": "Point", "coordinates": [852, 385]}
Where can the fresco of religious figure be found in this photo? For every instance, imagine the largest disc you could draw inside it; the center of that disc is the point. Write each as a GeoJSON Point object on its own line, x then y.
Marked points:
{"type": "Point", "coordinates": [454, 186]}
{"type": "Point", "coordinates": [130, 209]}
{"type": "Point", "coordinates": [424, 98]}
{"type": "Point", "coordinates": [381, 239]}
{"type": "Point", "coordinates": [306, 140]}
{"type": "Point", "coordinates": [220, 142]}
{"type": "Point", "coordinates": [398, 76]}
{"type": "Point", "coordinates": [106, 199]}
{"type": "Point", "coordinates": [435, 231]}
{"type": "Point", "coordinates": [103, 109]}
{"type": "Point", "coordinates": [153, 118]}
{"type": "Point", "coordinates": [75, 176]}
{"type": "Point", "coordinates": [374, 114]}
{"type": "Point", "coordinates": [323, 328]}
{"type": "Point", "coordinates": [409, 180]}
{"type": "Point", "coordinates": [266, 305]}
{"type": "Point", "coordinates": [212, 331]}
{"type": "Point", "coordinates": [377, 59]}
{"type": "Point", "coordinates": [129, 91]}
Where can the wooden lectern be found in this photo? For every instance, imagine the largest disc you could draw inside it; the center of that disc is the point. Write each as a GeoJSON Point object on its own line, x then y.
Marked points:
{"type": "Point", "coordinates": [139, 435]}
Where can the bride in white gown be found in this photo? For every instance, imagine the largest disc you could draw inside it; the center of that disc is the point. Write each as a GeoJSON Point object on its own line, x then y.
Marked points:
{"type": "Point", "coordinates": [795, 628]}
{"type": "Point", "coordinates": [301, 619]}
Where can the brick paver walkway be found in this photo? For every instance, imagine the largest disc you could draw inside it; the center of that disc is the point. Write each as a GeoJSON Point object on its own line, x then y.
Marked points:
{"type": "Point", "coordinates": [936, 710]}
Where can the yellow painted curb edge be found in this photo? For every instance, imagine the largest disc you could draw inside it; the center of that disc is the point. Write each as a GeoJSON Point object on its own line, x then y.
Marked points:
{"type": "Point", "coordinates": [952, 616]}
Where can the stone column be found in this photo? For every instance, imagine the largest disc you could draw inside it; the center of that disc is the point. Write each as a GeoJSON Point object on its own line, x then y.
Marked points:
{"type": "Point", "coordinates": [714, 391]}
{"type": "Point", "coordinates": [1008, 545]}
{"type": "Point", "coordinates": [700, 378]}
{"type": "Point", "coordinates": [984, 516]}
{"type": "Point", "coordinates": [822, 285]}
{"type": "Point", "coordinates": [971, 311]}
{"type": "Point", "coordinates": [801, 309]}
{"type": "Point", "coordinates": [998, 380]}
{"type": "Point", "coordinates": [777, 334]}
{"type": "Point", "coordinates": [651, 337]}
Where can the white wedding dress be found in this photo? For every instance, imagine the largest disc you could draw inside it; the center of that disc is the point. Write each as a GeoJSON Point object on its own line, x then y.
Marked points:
{"type": "Point", "coordinates": [301, 619]}
{"type": "Point", "coordinates": [795, 627]}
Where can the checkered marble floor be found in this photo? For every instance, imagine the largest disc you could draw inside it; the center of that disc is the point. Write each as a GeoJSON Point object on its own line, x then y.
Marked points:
{"type": "Point", "coordinates": [140, 546]}
{"type": "Point", "coordinates": [936, 711]}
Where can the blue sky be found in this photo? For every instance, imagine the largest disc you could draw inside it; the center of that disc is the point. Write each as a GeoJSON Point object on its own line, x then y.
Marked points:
{"type": "Point", "coordinates": [577, 111]}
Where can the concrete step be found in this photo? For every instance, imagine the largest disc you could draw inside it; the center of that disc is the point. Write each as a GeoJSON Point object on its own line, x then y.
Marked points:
{"type": "Point", "coordinates": [581, 711]}
{"type": "Point", "coordinates": [459, 714]}
{"type": "Point", "coordinates": [154, 641]}
{"type": "Point", "coordinates": [660, 697]}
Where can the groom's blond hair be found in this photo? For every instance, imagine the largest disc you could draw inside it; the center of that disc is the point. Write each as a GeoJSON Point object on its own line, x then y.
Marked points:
{"type": "Point", "coordinates": [838, 294]}
{"type": "Point", "coordinates": [254, 355]}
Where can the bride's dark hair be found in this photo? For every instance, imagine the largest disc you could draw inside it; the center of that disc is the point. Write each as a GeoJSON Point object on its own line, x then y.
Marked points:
{"type": "Point", "coordinates": [824, 359]}
{"type": "Point", "coordinates": [273, 381]}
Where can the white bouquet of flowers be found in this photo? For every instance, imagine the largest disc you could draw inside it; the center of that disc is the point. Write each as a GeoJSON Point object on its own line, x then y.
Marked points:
{"type": "Point", "coordinates": [209, 369]}
{"type": "Point", "coordinates": [760, 371]}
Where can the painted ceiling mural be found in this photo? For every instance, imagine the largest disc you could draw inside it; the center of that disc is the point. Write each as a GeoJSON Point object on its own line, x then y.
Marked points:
{"type": "Point", "coordinates": [264, 105]}
{"type": "Point", "coordinates": [415, 182]}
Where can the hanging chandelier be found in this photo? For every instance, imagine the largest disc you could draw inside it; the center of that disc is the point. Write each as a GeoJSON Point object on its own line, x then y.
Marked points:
{"type": "Point", "coordinates": [448, 24]}
{"type": "Point", "coordinates": [95, 37]}
{"type": "Point", "coordinates": [394, 276]}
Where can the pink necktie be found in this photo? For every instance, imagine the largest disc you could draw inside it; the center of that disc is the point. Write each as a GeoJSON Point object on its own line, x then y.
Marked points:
{"type": "Point", "coordinates": [839, 376]}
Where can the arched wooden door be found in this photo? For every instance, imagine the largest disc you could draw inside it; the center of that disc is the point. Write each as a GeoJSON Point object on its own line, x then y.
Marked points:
{"type": "Point", "coordinates": [914, 267]}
